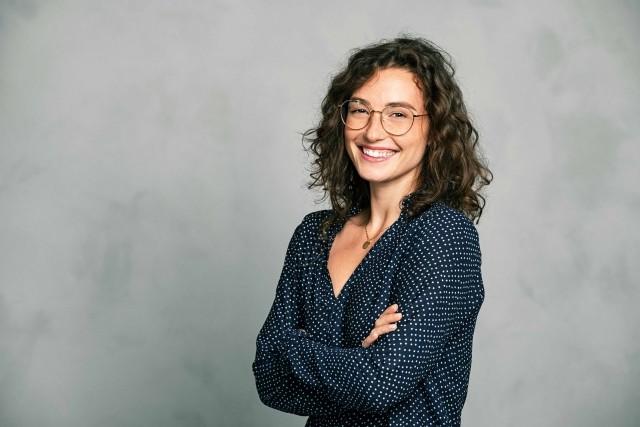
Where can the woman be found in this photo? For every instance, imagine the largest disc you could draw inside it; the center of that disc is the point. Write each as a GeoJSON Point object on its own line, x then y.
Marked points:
{"type": "Point", "coordinates": [374, 313]}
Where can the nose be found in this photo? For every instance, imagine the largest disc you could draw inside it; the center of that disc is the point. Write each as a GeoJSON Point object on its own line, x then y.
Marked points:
{"type": "Point", "coordinates": [374, 130]}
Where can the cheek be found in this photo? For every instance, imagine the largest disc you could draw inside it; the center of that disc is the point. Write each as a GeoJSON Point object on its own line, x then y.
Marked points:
{"type": "Point", "coordinates": [349, 135]}
{"type": "Point", "coordinates": [418, 143]}
{"type": "Point", "coordinates": [417, 154]}
{"type": "Point", "coordinates": [349, 146]}
{"type": "Point", "coordinates": [349, 140]}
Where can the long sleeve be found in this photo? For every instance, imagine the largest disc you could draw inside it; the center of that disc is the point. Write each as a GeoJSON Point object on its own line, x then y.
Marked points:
{"type": "Point", "coordinates": [276, 386]}
{"type": "Point", "coordinates": [439, 292]}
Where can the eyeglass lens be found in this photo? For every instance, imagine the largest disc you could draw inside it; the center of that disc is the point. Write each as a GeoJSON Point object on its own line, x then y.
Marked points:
{"type": "Point", "coordinates": [396, 120]}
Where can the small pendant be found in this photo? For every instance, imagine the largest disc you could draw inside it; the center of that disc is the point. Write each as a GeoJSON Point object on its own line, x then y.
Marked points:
{"type": "Point", "coordinates": [365, 245]}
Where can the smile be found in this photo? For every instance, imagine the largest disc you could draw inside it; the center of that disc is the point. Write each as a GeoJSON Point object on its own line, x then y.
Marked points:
{"type": "Point", "coordinates": [376, 155]}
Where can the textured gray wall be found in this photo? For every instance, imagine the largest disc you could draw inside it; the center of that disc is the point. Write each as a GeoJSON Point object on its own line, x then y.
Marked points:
{"type": "Point", "coordinates": [151, 175]}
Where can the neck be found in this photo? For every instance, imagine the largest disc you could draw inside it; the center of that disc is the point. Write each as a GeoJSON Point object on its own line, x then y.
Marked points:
{"type": "Point", "coordinates": [385, 205]}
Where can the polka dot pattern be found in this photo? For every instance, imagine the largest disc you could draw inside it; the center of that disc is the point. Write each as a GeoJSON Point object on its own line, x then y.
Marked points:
{"type": "Point", "coordinates": [309, 359]}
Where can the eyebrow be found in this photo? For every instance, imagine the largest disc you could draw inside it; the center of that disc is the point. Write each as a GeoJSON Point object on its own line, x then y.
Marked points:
{"type": "Point", "coordinates": [389, 104]}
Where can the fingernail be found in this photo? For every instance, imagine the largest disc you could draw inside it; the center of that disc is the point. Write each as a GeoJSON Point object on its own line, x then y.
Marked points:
{"type": "Point", "coordinates": [394, 326]}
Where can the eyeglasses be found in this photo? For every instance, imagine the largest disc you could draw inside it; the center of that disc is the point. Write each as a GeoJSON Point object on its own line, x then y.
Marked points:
{"type": "Point", "coordinates": [396, 120]}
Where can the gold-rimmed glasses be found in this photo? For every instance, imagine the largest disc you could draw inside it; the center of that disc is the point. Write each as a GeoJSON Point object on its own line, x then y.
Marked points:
{"type": "Point", "coordinates": [395, 119]}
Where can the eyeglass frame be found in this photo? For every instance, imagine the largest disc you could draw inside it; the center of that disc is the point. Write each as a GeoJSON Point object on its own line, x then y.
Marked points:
{"type": "Point", "coordinates": [371, 111]}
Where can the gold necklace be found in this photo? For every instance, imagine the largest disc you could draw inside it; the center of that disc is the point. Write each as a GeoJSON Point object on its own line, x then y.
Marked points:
{"type": "Point", "coordinates": [366, 244]}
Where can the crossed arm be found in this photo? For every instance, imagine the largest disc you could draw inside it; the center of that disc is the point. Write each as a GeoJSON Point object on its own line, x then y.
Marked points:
{"type": "Point", "coordinates": [277, 387]}
{"type": "Point", "coordinates": [438, 287]}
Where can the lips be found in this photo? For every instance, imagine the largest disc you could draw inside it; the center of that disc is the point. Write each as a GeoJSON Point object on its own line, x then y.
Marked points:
{"type": "Point", "coordinates": [377, 154]}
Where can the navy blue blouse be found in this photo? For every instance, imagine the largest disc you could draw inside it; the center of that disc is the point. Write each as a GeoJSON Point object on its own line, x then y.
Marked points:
{"type": "Point", "coordinates": [309, 359]}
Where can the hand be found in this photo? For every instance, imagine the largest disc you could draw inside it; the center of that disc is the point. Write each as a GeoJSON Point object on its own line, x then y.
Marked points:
{"type": "Point", "coordinates": [383, 325]}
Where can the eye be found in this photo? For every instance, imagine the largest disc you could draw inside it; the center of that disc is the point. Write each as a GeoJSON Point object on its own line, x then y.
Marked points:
{"type": "Point", "coordinates": [397, 114]}
{"type": "Point", "coordinates": [359, 111]}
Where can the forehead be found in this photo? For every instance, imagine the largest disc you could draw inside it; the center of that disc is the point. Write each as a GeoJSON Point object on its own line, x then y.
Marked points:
{"type": "Point", "coordinates": [391, 85]}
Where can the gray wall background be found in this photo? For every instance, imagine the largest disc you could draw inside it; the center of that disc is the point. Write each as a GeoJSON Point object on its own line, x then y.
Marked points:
{"type": "Point", "coordinates": [151, 174]}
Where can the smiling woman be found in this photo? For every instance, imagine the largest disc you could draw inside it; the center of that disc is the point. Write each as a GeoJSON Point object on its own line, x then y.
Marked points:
{"type": "Point", "coordinates": [393, 139]}
{"type": "Point", "coordinates": [374, 314]}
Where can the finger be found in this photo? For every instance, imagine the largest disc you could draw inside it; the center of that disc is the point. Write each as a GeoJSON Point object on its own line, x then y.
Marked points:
{"type": "Point", "coordinates": [377, 332]}
{"type": "Point", "coordinates": [389, 328]}
{"type": "Point", "coordinates": [385, 319]}
{"type": "Point", "coordinates": [392, 308]}
{"type": "Point", "coordinates": [370, 339]}
{"type": "Point", "coordinates": [389, 310]}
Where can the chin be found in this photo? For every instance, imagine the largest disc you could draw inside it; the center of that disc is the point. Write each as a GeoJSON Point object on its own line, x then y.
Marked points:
{"type": "Point", "coordinates": [375, 178]}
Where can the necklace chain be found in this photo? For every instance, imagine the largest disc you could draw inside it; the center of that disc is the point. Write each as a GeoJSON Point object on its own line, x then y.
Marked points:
{"type": "Point", "coordinates": [366, 244]}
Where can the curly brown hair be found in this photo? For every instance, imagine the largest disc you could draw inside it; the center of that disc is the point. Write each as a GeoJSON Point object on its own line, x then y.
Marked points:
{"type": "Point", "coordinates": [453, 170]}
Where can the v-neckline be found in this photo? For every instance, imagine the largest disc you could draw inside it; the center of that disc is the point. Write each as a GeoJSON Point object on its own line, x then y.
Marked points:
{"type": "Point", "coordinates": [334, 232]}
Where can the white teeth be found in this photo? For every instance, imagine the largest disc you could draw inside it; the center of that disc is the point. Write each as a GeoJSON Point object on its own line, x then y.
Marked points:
{"type": "Point", "coordinates": [378, 153]}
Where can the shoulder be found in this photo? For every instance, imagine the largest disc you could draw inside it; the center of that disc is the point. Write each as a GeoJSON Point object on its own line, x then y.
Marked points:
{"type": "Point", "coordinates": [442, 227]}
{"type": "Point", "coordinates": [314, 218]}
{"type": "Point", "coordinates": [441, 246]}
{"type": "Point", "coordinates": [308, 227]}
